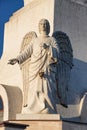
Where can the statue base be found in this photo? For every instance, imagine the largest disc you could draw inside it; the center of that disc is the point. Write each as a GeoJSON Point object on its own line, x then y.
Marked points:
{"type": "Point", "coordinates": [48, 122]}
{"type": "Point", "coordinates": [38, 117]}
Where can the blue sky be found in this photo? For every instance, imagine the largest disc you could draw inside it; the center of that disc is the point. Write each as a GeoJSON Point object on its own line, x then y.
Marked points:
{"type": "Point", "coordinates": [7, 7]}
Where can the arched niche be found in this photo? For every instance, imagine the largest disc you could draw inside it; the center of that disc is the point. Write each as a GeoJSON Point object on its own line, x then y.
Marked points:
{"type": "Point", "coordinates": [11, 100]}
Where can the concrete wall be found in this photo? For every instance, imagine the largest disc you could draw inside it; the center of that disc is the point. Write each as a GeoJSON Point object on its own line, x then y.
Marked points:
{"type": "Point", "coordinates": [71, 18]}
{"type": "Point", "coordinates": [27, 2]}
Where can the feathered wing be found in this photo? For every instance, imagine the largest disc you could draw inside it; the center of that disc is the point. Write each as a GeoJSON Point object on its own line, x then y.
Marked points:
{"type": "Point", "coordinates": [64, 66]}
{"type": "Point", "coordinates": [25, 65]}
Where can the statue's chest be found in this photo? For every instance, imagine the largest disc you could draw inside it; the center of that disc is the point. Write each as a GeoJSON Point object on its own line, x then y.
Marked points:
{"type": "Point", "coordinates": [39, 44]}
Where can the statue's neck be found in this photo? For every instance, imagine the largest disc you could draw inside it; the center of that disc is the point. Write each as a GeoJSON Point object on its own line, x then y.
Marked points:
{"type": "Point", "coordinates": [43, 34]}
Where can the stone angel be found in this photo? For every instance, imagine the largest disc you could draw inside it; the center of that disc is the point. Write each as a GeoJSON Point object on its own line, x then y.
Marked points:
{"type": "Point", "coordinates": [43, 54]}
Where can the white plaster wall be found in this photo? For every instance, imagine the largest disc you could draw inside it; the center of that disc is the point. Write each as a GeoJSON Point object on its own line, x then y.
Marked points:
{"type": "Point", "coordinates": [71, 18]}
{"type": "Point", "coordinates": [20, 23]}
{"type": "Point", "coordinates": [27, 2]}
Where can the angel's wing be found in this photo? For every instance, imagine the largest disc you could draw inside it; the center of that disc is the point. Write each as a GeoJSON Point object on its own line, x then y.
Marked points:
{"type": "Point", "coordinates": [64, 66]}
{"type": "Point", "coordinates": [25, 65]}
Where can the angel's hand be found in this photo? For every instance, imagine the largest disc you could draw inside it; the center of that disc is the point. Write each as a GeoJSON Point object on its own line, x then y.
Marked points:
{"type": "Point", "coordinates": [13, 61]}
{"type": "Point", "coordinates": [45, 46]}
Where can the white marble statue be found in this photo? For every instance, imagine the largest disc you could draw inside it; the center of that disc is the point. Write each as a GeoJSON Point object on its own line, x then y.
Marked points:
{"type": "Point", "coordinates": [43, 54]}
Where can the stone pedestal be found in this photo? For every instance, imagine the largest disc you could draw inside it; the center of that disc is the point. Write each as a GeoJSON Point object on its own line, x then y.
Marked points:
{"type": "Point", "coordinates": [38, 117]}
{"type": "Point", "coordinates": [12, 126]}
{"type": "Point", "coordinates": [48, 122]}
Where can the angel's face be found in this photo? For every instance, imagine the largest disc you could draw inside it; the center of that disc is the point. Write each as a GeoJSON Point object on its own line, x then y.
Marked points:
{"type": "Point", "coordinates": [44, 26]}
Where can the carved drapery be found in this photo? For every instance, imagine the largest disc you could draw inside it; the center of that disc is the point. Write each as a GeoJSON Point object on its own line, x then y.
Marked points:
{"type": "Point", "coordinates": [25, 65]}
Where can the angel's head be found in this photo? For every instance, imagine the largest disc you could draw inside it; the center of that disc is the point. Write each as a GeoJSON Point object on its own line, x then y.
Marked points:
{"type": "Point", "coordinates": [44, 26]}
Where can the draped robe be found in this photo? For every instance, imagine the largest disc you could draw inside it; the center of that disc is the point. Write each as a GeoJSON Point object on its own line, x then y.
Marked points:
{"type": "Point", "coordinates": [42, 90]}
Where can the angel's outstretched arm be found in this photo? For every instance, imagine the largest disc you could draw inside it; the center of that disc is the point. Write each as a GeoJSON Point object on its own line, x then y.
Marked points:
{"type": "Point", "coordinates": [22, 57]}
{"type": "Point", "coordinates": [25, 54]}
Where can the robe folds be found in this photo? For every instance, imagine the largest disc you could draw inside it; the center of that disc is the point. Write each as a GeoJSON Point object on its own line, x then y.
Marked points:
{"type": "Point", "coordinates": [42, 90]}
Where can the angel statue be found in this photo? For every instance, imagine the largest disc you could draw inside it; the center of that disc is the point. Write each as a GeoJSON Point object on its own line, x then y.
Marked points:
{"type": "Point", "coordinates": [42, 54]}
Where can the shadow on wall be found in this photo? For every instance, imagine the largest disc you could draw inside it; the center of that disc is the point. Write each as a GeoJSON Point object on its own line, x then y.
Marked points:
{"type": "Point", "coordinates": [1, 109]}
{"type": "Point", "coordinates": [78, 82]}
{"type": "Point", "coordinates": [1, 104]}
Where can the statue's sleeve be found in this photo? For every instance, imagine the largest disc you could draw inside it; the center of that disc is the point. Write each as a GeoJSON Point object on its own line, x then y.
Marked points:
{"type": "Point", "coordinates": [55, 48]}
{"type": "Point", "coordinates": [25, 54]}
{"type": "Point", "coordinates": [53, 52]}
